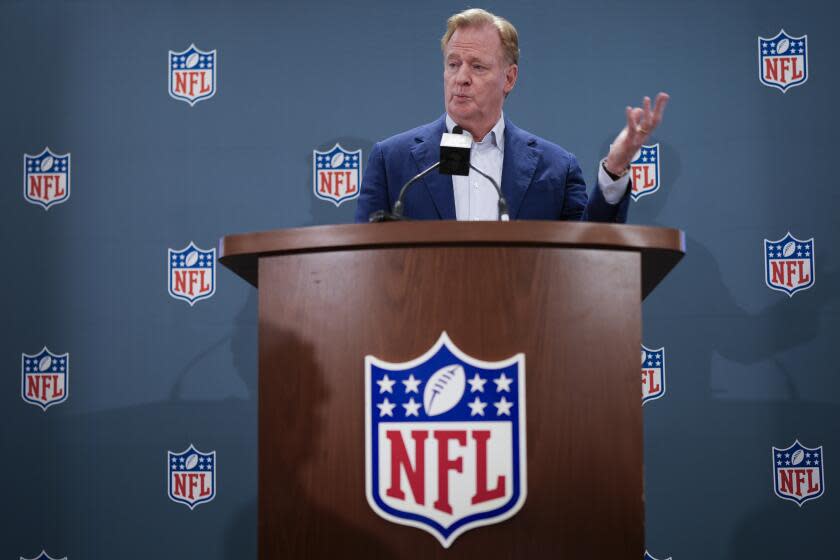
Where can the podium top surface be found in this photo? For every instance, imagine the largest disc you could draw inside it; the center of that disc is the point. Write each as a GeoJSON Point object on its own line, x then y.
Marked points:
{"type": "Point", "coordinates": [661, 248]}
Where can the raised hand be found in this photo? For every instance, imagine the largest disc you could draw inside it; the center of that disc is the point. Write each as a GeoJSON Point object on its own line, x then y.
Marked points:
{"type": "Point", "coordinates": [641, 122]}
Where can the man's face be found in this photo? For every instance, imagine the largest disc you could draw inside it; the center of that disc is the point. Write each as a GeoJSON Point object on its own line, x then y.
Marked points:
{"type": "Point", "coordinates": [476, 77]}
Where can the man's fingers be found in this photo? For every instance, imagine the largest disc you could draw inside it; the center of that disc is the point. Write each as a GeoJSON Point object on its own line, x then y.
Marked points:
{"type": "Point", "coordinates": [659, 109]}
{"type": "Point", "coordinates": [638, 113]}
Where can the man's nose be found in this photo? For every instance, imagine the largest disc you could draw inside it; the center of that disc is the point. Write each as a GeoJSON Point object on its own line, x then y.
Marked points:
{"type": "Point", "coordinates": [463, 76]}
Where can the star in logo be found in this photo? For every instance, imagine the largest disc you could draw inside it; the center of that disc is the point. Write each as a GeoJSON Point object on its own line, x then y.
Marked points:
{"type": "Point", "coordinates": [411, 407]}
{"type": "Point", "coordinates": [503, 407]}
{"type": "Point", "coordinates": [476, 383]}
{"type": "Point", "coordinates": [386, 385]}
{"type": "Point", "coordinates": [503, 383]}
{"type": "Point", "coordinates": [477, 407]}
{"type": "Point", "coordinates": [386, 408]}
{"type": "Point", "coordinates": [411, 384]}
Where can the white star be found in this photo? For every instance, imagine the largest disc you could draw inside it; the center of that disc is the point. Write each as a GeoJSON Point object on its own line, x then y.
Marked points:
{"type": "Point", "coordinates": [476, 383]}
{"type": "Point", "coordinates": [411, 407]}
{"type": "Point", "coordinates": [502, 383]}
{"type": "Point", "coordinates": [386, 408]}
{"type": "Point", "coordinates": [411, 384]}
{"type": "Point", "coordinates": [503, 407]}
{"type": "Point", "coordinates": [477, 407]}
{"type": "Point", "coordinates": [386, 385]}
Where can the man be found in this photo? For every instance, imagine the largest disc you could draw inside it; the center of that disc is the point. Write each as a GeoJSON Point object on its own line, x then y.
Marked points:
{"type": "Point", "coordinates": [540, 180]}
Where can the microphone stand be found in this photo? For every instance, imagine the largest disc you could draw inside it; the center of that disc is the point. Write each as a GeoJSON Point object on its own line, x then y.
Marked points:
{"type": "Point", "coordinates": [397, 214]}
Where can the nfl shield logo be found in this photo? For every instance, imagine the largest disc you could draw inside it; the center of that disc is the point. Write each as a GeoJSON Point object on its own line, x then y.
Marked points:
{"type": "Point", "coordinates": [653, 373]}
{"type": "Point", "coordinates": [789, 264]}
{"type": "Point", "coordinates": [46, 178]}
{"type": "Point", "coordinates": [43, 556]}
{"type": "Point", "coordinates": [649, 556]}
{"type": "Point", "coordinates": [644, 172]}
{"type": "Point", "coordinates": [783, 61]}
{"type": "Point", "coordinates": [192, 273]}
{"type": "Point", "coordinates": [798, 473]}
{"type": "Point", "coordinates": [445, 440]}
{"type": "Point", "coordinates": [45, 378]}
{"type": "Point", "coordinates": [192, 75]}
{"type": "Point", "coordinates": [191, 476]}
{"type": "Point", "coordinates": [336, 174]}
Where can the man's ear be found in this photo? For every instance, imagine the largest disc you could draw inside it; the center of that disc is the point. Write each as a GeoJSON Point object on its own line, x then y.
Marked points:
{"type": "Point", "coordinates": [511, 74]}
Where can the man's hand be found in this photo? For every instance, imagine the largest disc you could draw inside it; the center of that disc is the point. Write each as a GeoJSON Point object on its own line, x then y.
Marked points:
{"type": "Point", "coordinates": [641, 122]}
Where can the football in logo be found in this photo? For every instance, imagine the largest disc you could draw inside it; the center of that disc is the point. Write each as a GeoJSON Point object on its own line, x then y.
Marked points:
{"type": "Point", "coordinates": [789, 264]}
{"type": "Point", "coordinates": [192, 75]}
{"type": "Point", "coordinates": [444, 390]}
{"type": "Point", "coordinates": [783, 61]}
{"type": "Point", "coordinates": [336, 174]}
{"type": "Point", "coordinates": [46, 178]}
{"type": "Point", "coordinates": [456, 461]}
{"type": "Point", "coordinates": [45, 378]}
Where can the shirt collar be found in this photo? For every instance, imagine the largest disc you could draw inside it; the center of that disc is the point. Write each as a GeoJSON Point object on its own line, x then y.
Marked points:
{"type": "Point", "coordinates": [496, 134]}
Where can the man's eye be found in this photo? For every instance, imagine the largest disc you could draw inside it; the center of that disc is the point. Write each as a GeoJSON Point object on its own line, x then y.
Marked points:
{"type": "Point", "coordinates": [478, 67]}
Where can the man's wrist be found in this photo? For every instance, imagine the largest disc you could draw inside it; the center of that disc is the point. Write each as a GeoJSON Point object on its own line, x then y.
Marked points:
{"type": "Point", "coordinates": [614, 173]}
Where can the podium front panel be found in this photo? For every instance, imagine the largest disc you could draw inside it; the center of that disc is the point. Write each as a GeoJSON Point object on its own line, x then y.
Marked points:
{"type": "Point", "coordinates": [574, 313]}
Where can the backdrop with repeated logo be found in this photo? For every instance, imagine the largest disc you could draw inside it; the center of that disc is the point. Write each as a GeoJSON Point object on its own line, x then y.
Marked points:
{"type": "Point", "coordinates": [133, 129]}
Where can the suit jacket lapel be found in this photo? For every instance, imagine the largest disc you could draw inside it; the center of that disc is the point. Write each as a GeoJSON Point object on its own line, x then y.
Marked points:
{"type": "Point", "coordinates": [426, 151]}
{"type": "Point", "coordinates": [520, 163]}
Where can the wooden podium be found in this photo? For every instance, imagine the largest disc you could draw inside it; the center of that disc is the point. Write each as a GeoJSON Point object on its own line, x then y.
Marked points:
{"type": "Point", "coordinates": [567, 295]}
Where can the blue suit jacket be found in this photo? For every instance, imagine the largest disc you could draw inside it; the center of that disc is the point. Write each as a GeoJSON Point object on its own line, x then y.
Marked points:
{"type": "Point", "coordinates": [540, 180]}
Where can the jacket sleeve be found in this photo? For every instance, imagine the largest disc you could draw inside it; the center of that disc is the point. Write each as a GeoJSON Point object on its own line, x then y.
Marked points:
{"type": "Point", "coordinates": [574, 193]}
{"type": "Point", "coordinates": [374, 193]}
{"type": "Point", "coordinates": [599, 210]}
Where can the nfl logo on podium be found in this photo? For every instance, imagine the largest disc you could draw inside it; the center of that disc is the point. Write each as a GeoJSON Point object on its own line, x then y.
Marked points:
{"type": "Point", "coordinates": [336, 174]}
{"type": "Point", "coordinates": [445, 440]}
{"type": "Point", "coordinates": [43, 556]}
{"type": "Point", "coordinates": [644, 172]}
{"type": "Point", "coordinates": [798, 473]}
{"type": "Point", "coordinates": [789, 264]}
{"type": "Point", "coordinates": [45, 378]}
{"type": "Point", "coordinates": [783, 61]}
{"type": "Point", "coordinates": [46, 178]}
{"type": "Point", "coordinates": [192, 75]}
{"type": "Point", "coordinates": [192, 273]}
{"type": "Point", "coordinates": [192, 476]}
{"type": "Point", "coordinates": [653, 373]}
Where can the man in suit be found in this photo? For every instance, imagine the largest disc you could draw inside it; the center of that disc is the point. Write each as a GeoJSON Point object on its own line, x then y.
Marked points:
{"type": "Point", "coordinates": [540, 180]}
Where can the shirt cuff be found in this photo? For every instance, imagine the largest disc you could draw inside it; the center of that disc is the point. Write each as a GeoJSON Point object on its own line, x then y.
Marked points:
{"type": "Point", "coordinates": [613, 191]}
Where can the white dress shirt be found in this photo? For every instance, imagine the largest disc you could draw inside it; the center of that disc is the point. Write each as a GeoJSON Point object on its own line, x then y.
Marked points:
{"type": "Point", "coordinates": [475, 197]}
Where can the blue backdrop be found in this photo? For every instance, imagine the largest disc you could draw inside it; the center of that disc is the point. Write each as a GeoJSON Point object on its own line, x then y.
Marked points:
{"type": "Point", "coordinates": [747, 367]}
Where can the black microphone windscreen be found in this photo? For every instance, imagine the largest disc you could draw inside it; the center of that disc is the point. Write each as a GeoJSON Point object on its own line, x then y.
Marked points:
{"type": "Point", "coordinates": [457, 129]}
